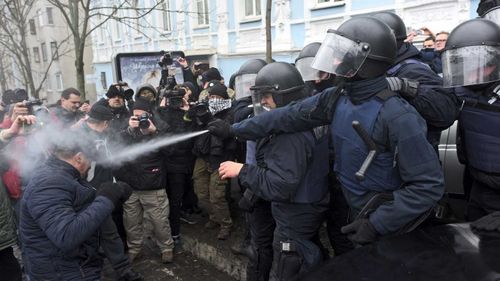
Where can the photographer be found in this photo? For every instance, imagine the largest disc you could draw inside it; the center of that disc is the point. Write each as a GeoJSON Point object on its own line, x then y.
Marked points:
{"type": "Point", "coordinates": [147, 177]}
{"type": "Point", "coordinates": [211, 151]}
{"type": "Point", "coordinates": [179, 159]}
{"type": "Point", "coordinates": [115, 99]}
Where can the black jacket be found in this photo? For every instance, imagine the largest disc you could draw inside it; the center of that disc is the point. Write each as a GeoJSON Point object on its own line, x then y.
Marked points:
{"type": "Point", "coordinates": [146, 172]}
{"type": "Point", "coordinates": [213, 149]}
{"type": "Point", "coordinates": [437, 105]}
{"type": "Point", "coordinates": [178, 157]}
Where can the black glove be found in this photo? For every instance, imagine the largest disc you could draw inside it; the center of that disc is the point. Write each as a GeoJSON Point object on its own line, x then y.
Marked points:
{"type": "Point", "coordinates": [360, 231]}
{"type": "Point", "coordinates": [220, 128]}
{"type": "Point", "coordinates": [406, 88]}
{"type": "Point", "coordinates": [490, 222]}
{"type": "Point", "coordinates": [117, 192]}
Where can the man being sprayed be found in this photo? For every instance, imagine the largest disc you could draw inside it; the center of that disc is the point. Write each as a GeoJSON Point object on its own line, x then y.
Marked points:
{"type": "Point", "coordinates": [406, 167]}
{"type": "Point", "coordinates": [61, 214]}
{"type": "Point", "coordinates": [291, 171]}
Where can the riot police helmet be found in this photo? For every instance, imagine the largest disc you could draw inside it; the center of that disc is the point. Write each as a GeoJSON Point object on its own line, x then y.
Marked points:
{"type": "Point", "coordinates": [244, 78]}
{"type": "Point", "coordinates": [304, 60]}
{"type": "Point", "coordinates": [471, 57]}
{"type": "Point", "coordinates": [279, 79]}
{"type": "Point", "coordinates": [361, 48]}
{"type": "Point", "coordinates": [489, 9]}
{"type": "Point", "coordinates": [395, 23]}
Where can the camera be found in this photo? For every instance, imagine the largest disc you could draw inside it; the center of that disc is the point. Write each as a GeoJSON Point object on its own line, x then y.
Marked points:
{"type": "Point", "coordinates": [199, 112]}
{"type": "Point", "coordinates": [175, 98]}
{"type": "Point", "coordinates": [32, 103]}
{"type": "Point", "coordinates": [166, 59]}
{"type": "Point", "coordinates": [144, 121]}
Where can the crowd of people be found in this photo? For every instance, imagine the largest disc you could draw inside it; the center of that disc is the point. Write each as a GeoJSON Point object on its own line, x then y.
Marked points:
{"type": "Point", "coordinates": [347, 135]}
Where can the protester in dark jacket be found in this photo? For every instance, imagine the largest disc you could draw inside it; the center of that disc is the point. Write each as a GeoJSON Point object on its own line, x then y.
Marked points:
{"type": "Point", "coordinates": [211, 151]}
{"type": "Point", "coordinates": [147, 176]}
{"type": "Point", "coordinates": [61, 214]}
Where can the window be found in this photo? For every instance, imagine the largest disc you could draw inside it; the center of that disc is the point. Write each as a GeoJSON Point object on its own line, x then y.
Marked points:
{"type": "Point", "coordinates": [202, 11]}
{"type": "Point", "coordinates": [44, 51]}
{"type": "Point", "coordinates": [41, 22]}
{"type": "Point", "coordinates": [50, 19]}
{"type": "Point", "coordinates": [104, 83]}
{"type": "Point", "coordinates": [32, 26]}
{"type": "Point", "coordinates": [326, 3]}
{"type": "Point", "coordinates": [117, 29]}
{"type": "Point", "coordinates": [165, 17]}
{"type": "Point", "coordinates": [36, 54]}
{"type": "Point", "coordinates": [59, 82]}
{"type": "Point", "coordinates": [252, 8]}
{"type": "Point", "coordinates": [53, 49]}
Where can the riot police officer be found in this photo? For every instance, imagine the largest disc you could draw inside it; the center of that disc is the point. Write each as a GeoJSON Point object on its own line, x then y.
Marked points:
{"type": "Point", "coordinates": [406, 167]}
{"type": "Point", "coordinates": [419, 84]}
{"type": "Point", "coordinates": [472, 59]}
{"type": "Point", "coordinates": [315, 80]}
{"type": "Point", "coordinates": [291, 172]}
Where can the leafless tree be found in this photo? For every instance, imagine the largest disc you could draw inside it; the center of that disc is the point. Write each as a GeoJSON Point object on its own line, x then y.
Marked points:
{"type": "Point", "coordinates": [14, 18]}
{"type": "Point", "coordinates": [269, 50]}
{"type": "Point", "coordinates": [85, 16]}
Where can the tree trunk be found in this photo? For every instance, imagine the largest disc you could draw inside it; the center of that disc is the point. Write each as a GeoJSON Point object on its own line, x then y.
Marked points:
{"type": "Point", "coordinates": [269, 51]}
{"type": "Point", "coordinates": [79, 65]}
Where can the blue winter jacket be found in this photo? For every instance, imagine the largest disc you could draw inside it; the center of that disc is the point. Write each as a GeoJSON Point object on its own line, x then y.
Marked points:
{"type": "Point", "coordinates": [60, 217]}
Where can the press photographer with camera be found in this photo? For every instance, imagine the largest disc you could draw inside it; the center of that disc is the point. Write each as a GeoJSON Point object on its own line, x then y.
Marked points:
{"type": "Point", "coordinates": [179, 159]}
{"type": "Point", "coordinates": [117, 98]}
{"type": "Point", "coordinates": [210, 152]}
{"type": "Point", "coordinates": [147, 177]}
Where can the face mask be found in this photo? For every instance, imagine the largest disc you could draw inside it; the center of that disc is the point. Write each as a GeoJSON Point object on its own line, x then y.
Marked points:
{"type": "Point", "coordinates": [217, 105]}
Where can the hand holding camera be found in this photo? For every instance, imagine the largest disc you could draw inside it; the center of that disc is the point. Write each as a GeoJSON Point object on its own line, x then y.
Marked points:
{"type": "Point", "coordinates": [142, 123]}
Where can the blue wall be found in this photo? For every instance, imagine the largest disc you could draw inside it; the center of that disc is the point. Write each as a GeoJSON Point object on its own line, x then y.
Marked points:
{"type": "Point", "coordinates": [298, 35]}
{"type": "Point", "coordinates": [366, 4]}
{"type": "Point", "coordinates": [297, 8]}
{"type": "Point", "coordinates": [328, 11]}
{"type": "Point", "coordinates": [473, 8]}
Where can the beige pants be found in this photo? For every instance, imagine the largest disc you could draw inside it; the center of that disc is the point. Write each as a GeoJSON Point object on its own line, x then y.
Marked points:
{"type": "Point", "coordinates": [209, 187]}
{"type": "Point", "coordinates": [152, 204]}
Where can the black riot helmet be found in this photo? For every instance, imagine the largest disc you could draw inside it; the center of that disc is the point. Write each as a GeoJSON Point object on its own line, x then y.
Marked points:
{"type": "Point", "coordinates": [489, 9]}
{"type": "Point", "coordinates": [361, 48]}
{"type": "Point", "coordinates": [304, 60]}
{"type": "Point", "coordinates": [280, 79]}
{"type": "Point", "coordinates": [245, 77]}
{"type": "Point", "coordinates": [472, 54]}
{"type": "Point", "coordinates": [395, 23]}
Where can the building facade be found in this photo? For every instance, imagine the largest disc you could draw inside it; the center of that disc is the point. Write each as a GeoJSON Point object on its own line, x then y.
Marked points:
{"type": "Point", "coordinates": [226, 33]}
{"type": "Point", "coordinates": [51, 53]}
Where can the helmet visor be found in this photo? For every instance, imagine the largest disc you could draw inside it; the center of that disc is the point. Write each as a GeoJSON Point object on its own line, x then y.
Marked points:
{"type": "Point", "coordinates": [242, 85]}
{"type": "Point", "coordinates": [493, 15]}
{"type": "Point", "coordinates": [340, 56]}
{"type": "Point", "coordinates": [306, 71]}
{"type": "Point", "coordinates": [258, 92]}
{"type": "Point", "coordinates": [471, 65]}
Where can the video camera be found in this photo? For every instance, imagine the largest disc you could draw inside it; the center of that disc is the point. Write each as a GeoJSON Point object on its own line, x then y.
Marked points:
{"type": "Point", "coordinates": [175, 98]}
{"type": "Point", "coordinates": [167, 81]}
{"type": "Point", "coordinates": [199, 112]}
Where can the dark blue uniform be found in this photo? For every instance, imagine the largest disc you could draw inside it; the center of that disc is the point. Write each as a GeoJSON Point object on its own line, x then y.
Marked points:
{"type": "Point", "coordinates": [437, 105]}
{"type": "Point", "coordinates": [478, 147]}
{"type": "Point", "coordinates": [291, 173]}
{"type": "Point", "coordinates": [398, 131]}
